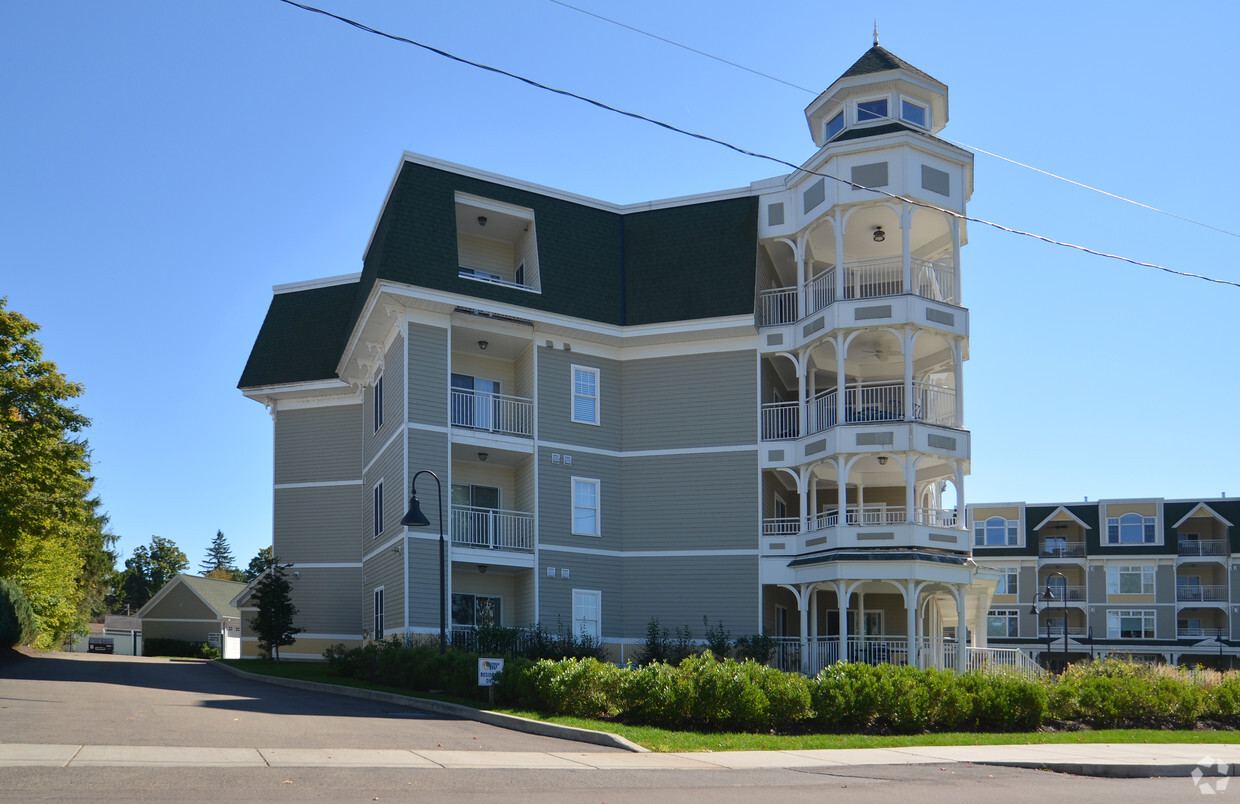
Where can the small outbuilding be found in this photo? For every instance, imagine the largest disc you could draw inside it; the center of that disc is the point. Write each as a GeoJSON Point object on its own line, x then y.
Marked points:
{"type": "Point", "coordinates": [195, 609]}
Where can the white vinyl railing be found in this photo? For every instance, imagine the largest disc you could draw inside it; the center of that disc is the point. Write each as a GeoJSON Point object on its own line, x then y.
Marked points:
{"type": "Point", "coordinates": [1203, 547]}
{"type": "Point", "coordinates": [885, 515]}
{"type": "Point", "coordinates": [927, 652]}
{"type": "Point", "coordinates": [1060, 549]}
{"type": "Point", "coordinates": [1192, 593]}
{"type": "Point", "coordinates": [492, 529]}
{"type": "Point", "coordinates": [495, 413]}
{"type": "Point", "coordinates": [822, 412]}
{"type": "Point", "coordinates": [781, 526]}
{"type": "Point", "coordinates": [779, 420]}
{"type": "Point", "coordinates": [863, 279]}
{"type": "Point", "coordinates": [1188, 632]}
{"type": "Point", "coordinates": [1000, 659]}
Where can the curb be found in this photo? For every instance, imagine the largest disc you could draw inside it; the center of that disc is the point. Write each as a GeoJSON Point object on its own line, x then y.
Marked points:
{"type": "Point", "coordinates": [511, 722]}
{"type": "Point", "coordinates": [1106, 770]}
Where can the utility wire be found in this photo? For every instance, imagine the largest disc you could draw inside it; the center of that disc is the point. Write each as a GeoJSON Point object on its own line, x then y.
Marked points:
{"type": "Point", "coordinates": [754, 154]}
{"type": "Point", "coordinates": [953, 142]}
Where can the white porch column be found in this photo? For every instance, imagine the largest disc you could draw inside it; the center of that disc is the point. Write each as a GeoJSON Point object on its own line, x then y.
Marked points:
{"type": "Point", "coordinates": [802, 399]}
{"type": "Point", "coordinates": [910, 487]}
{"type": "Point", "coordinates": [906, 246]}
{"type": "Point", "coordinates": [958, 371]}
{"type": "Point", "coordinates": [911, 589]}
{"type": "Point", "coordinates": [841, 345]}
{"type": "Point", "coordinates": [954, 223]}
{"type": "Point", "coordinates": [802, 272]}
{"type": "Point", "coordinates": [962, 629]}
{"type": "Point", "coordinates": [841, 475]}
{"type": "Point", "coordinates": [803, 607]}
{"type": "Point", "coordinates": [841, 601]}
{"type": "Point", "coordinates": [805, 478]}
{"type": "Point", "coordinates": [813, 613]}
{"type": "Point", "coordinates": [958, 477]}
{"type": "Point", "coordinates": [907, 341]}
{"type": "Point", "coordinates": [837, 229]}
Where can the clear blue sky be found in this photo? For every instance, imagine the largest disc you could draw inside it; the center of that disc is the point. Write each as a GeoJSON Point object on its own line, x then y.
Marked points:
{"type": "Point", "coordinates": [164, 164]}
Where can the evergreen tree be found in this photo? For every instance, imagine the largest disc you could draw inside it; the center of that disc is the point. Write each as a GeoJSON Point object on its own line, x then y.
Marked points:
{"type": "Point", "coordinates": [219, 555]}
{"type": "Point", "coordinates": [54, 542]}
{"type": "Point", "coordinates": [274, 622]}
{"type": "Point", "coordinates": [259, 564]}
{"type": "Point", "coordinates": [148, 569]}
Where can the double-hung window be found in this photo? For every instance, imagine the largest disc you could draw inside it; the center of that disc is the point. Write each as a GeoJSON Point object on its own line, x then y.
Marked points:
{"type": "Point", "coordinates": [585, 507]}
{"type": "Point", "coordinates": [378, 629]}
{"type": "Point", "coordinates": [377, 513]}
{"type": "Point", "coordinates": [1130, 580]}
{"type": "Point", "coordinates": [1008, 580]}
{"type": "Point", "coordinates": [585, 395]}
{"type": "Point", "coordinates": [1003, 623]}
{"type": "Point", "coordinates": [1130, 529]}
{"type": "Point", "coordinates": [587, 613]}
{"type": "Point", "coordinates": [377, 398]}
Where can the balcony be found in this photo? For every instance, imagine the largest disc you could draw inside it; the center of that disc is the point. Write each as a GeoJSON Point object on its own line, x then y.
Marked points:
{"type": "Point", "coordinates": [492, 413]}
{"type": "Point", "coordinates": [1198, 632]}
{"type": "Point", "coordinates": [863, 279]}
{"type": "Point", "coordinates": [1204, 548]}
{"type": "Point", "coordinates": [786, 536]}
{"type": "Point", "coordinates": [864, 403]}
{"type": "Point", "coordinates": [492, 529]}
{"type": "Point", "coordinates": [1195, 593]}
{"type": "Point", "coordinates": [877, 649]}
{"type": "Point", "coordinates": [1073, 594]}
{"type": "Point", "coordinates": [1059, 548]}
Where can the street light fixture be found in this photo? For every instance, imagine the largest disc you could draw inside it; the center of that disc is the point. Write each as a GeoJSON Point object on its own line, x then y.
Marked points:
{"type": "Point", "coordinates": [414, 517]}
{"type": "Point", "coordinates": [1049, 596]}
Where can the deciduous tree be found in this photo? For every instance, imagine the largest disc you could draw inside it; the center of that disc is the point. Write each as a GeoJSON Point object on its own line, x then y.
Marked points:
{"type": "Point", "coordinates": [259, 564]}
{"type": "Point", "coordinates": [148, 569]}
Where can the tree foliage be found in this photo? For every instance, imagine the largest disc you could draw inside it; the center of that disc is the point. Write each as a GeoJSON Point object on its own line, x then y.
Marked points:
{"type": "Point", "coordinates": [148, 569]}
{"type": "Point", "coordinates": [54, 541]}
{"type": "Point", "coordinates": [274, 622]}
{"type": "Point", "coordinates": [259, 564]}
{"type": "Point", "coordinates": [219, 556]}
{"type": "Point", "coordinates": [17, 622]}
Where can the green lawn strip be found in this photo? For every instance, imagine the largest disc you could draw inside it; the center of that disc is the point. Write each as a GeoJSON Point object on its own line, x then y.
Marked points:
{"type": "Point", "coordinates": [679, 741]}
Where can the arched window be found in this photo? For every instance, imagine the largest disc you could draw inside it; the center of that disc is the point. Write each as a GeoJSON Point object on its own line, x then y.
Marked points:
{"type": "Point", "coordinates": [996, 532]}
{"type": "Point", "coordinates": [1130, 528]}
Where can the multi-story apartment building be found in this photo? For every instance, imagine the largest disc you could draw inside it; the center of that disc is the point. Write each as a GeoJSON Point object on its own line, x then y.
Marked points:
{"type": "Point", "coordinates": [1151, 578]}
{"type": "Point", "coordinates": [744, 405]}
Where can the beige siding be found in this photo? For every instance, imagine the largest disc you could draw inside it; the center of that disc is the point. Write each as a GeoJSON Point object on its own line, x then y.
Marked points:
{"type": "Point", "coordinates": [691, 502]}
{"type": "Point", "coordinates": [691, 401]}
{"type": "Point", "coordinates": [317, 524]}
{"type": "Point", "coordinates": [179, 604]}
{"type": "Point", "coordinates": [486, 254]}
{"type": "Point", "coordinates": [475, 364]}
{"type": "Point", "coordinates": [516, 609]}
{"type": "Point", "coordinates": [428, 450]}
{"type": "Point", "coordinates": [525, 484]}
{"type": "Point", "coordinates": [328, 600]}
{"type": "Point", "coordinates": [680, 591]}
{"type": "Point", "coordinates": [527, 252]}
{"type": "Point", "coordinates": [317, 444]}
{"type": "Point", "coordinates": [188, 632]}
{"type": "Point", "coordinates": [428, 375]}
{"type": "Point", "coordinates": [555, 400]}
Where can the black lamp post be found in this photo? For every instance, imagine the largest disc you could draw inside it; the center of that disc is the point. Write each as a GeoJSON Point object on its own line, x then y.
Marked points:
{"type": "Point", "coordinates": [415, 517]}
{"type": "Point", "coordinates": [1047, 596]}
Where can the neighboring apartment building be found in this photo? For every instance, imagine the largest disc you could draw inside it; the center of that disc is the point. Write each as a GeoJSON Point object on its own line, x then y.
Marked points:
{"type": "Point", "coordinates": [1155, 579]}
{"type": "Point", "coordinates": [744, 405]}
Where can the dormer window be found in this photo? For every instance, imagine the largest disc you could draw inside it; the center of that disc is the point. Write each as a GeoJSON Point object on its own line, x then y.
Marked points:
{"type": "Point", "coordinates": [914, 113]}
{"type": "Point", "coordinates": [871, 110]}
{"type": "Point", "coordinates": [496, 243]}
{"type": "Point", "coordinates": [834, 126]}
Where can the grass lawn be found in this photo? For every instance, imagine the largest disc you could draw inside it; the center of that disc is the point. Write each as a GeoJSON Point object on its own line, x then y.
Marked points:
{"type": "Point", "coordinates": [665, 740]}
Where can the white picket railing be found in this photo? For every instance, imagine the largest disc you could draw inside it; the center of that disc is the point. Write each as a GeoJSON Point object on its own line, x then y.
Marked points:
{"type": "Point", "coordinates": [885, 649]}
{"type": "Point", "coordinates": [1203, 547]}
{"type": "Point", "coordinates": [781, 526]}
{"type": "Point", "coordinates": [777, 306]}
{"type": "Point", "coordinates": [866, 279]}
{"type": "Point", "coordinates": [885, 515]}
{"type": "Point", "coordinates": [935, 280]}
{"type": "Point", "coordinates": [822, 412]}
{"type": "Point", "coordinates": [495, 413]}
{"type": "Point", "coordinates": [779, 420]}
{"type": "Point", "coordinates": [820, 292]}
{"type": "Point", "coordinates": [881, 401]}
{"type": "Point", "coordinates": [1192, 593]}
{"type": "Point", "coordinates": [492, 529]}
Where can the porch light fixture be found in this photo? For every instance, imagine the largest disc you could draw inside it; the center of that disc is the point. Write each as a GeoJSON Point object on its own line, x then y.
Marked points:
{"type": "Point", "coordinates": [879, 234]}
{"type": "Point", "coordinates": [882, 460]}
{"type": "Point", "coordinates": [482, 569]}
{"type": "Point", "coordinates": [415, 518]}
{"type": "Point", "coordinates": [482, 220]}
{"type": "Point", "coordinates": [482, 456]}
{"type": "Point", "coordinates": [483, 345]}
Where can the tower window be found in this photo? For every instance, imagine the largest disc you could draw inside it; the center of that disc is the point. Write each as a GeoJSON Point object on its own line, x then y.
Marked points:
{"type": "Point", "coordinates": [871, 110]}
{"type": "Point", "coordinates": [914, 113]}
{"type": "Point", "coordinates": [835, 125]}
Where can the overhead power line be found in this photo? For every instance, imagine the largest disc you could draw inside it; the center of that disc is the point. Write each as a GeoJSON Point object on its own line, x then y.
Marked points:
{"type": "Point", "coordinates": [754, 154]}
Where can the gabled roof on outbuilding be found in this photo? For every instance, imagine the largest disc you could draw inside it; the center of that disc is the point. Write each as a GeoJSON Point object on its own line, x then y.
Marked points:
{"type": "Point", "coordinates": [215, 594]}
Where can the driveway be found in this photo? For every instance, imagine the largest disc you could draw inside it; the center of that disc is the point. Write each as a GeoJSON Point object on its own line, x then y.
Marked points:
{"type": "Point", "coordinates": [100, 699]}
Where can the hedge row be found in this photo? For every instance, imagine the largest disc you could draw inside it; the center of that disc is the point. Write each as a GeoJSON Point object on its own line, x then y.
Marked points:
{"type": "Point", "coordinates": [705, 694]}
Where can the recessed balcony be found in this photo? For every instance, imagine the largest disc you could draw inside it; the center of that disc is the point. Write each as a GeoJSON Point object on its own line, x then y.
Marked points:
{"type": "Point", "coordinates": [487, 412]}
{"type": "Point", "coordinates": [1200, 593]}
{"type": "Point", "coordinates": [1203, 548]}
{"type": "Point", "coordinates": [492, 529]}
{"type": "Point", "coordinates": [1058, 547]}
{"type": "Point", "coordinates": [863, 279]}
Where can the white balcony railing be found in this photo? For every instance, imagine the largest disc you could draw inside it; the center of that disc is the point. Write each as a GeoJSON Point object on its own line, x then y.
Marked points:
{"type": "Point", "coordinates": [884, 515]}
{"type": "Point", "coordinates": [1193, 593]}
{"type": "Point", "coordinates": [492, 529]}
{"type": "Point", "coordinates": [927, 652]}
{"type": "Point", "coordinates": [822, 412]}
{"type": "Point", "coordinates": [1203, 547]}
{"type": "Point", "coordinates": [781, 526]}
{"type": "Point", "coordinates": [1198, 632]}
{"type": "Point", "coordinates": [863, 403]}
{"type": "Point", "coordinates": [863, 279]}
{"type": "Point", "coordinates": [779, 421]}
{"type": "Point", "coordinates": [1061, 549]}
{"type": "Point", "coordinates": [493, 413]}
{"type": "Point", "coordinates": [1074, 594]}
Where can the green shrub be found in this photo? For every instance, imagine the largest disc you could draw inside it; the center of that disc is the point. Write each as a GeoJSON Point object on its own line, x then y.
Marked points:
{"type": "Point", "coordinates": [1223, 702]}
{"type": "Point", "coordinates": [758, 647]}
{"type": "Point", "coordinates": [205, 651]}
{"type": "Point", "coordinates": [845, 697]}
{"type": "Point", "coordinates": [721, 697]}
{"type": "Point", "coordinates": [787, 694]}
{"type": "Point", "coordinates": [161, 646]}
{"type": "Point", "coordinates": [658, 644]}
{"type": "Point", "coordinates": [718, 639]}
{"type": "Point", "coordinates": [1112, 693]}
{"type": "Point", "coordinates": [653, 695]}
{"type": "Point", "coordinates": [1000, 702]}
{"type": "Point", "coordinates": [577, 687]}
{"type": "Point", "coordinates": [18, 625]}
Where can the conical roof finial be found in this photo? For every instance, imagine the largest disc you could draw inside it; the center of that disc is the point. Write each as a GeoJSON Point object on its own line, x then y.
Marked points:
{"type": "Point", "coordinates": [875, 33]}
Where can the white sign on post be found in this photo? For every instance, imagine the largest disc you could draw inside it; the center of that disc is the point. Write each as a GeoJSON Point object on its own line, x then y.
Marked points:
{"type": "Point", "coordinates": [213, 640]}
{"type": "Point", "coordinates": [487, 668]}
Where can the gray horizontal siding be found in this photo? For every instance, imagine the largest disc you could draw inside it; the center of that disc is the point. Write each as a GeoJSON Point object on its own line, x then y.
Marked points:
{"type": "Point", "coordinates": [555, 400]}
{"type": "Point", "coordinates": [423, 584]}
{"type": "Point", "coordinates": [691, 502]}
{"type": "Point", "coordinates": [393, 401]}
{"type": "Point", "coordinates": [691, 401]}
{"type": "Point", "coordinates": [387, 467]}
{"type": "Point", "coordinates": [428, 450]}
{"type": "Point", "coordinates": [328, 599]}
{"type": "Point", "coordinates": [595, 573]}
{"type": "Point", "coordinates": [680, 591]}
{"type": "Point", "coordinates": [555, 499]}
{"type": "Point", "coordinates": [317, 524]}
{"type": "Point", "coordinates": [428, 375]}
{"type": "Point", "coordinates": [384, 570]}
{"type": "Point", "coordinates": [313, 444]}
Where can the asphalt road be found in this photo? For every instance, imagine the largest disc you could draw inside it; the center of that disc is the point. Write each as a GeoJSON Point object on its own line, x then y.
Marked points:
{"type": "Point", "coordinates": [98, 699]}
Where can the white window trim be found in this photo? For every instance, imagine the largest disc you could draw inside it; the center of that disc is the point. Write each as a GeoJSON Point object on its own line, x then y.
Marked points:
{"type": "Point", "coordinates": [1008, 615]}
{"type": "Point", "coordinates": [376, 513]}
{"type": "Point", "coordinates": [919, 104]}
{"type": "Point", "coordinates": [376, 413]}
{"type": "Point", "coordinates": [827, 136]}
{"type": "Point", "coordinates": [378, 614]}
{"type": "Point", "coordinates": [1115, 570]}
{"type": "Point", "coordinates": [1105, 537]}
{"type": "Point", "coordinates": [1145, 614]}
{"type": "Point", "coordinates": [1010, 571]}
{"type": "Point", "coordinates": [572, 394]}
{"type": "Point", "coordinates": [598, 506]}
{"type": "Point", "coordinates": [856, 111]}
{"type": "Point", "coordinates": [1008, 525]}
{"type": "Point", "coordinates": [598, 607]}
{"type": "Point", "coordinates": [475, 596]}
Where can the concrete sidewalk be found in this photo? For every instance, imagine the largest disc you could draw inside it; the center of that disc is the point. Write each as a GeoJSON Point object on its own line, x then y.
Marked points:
{"type": "Point", "coordinates": [1120, 761]}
